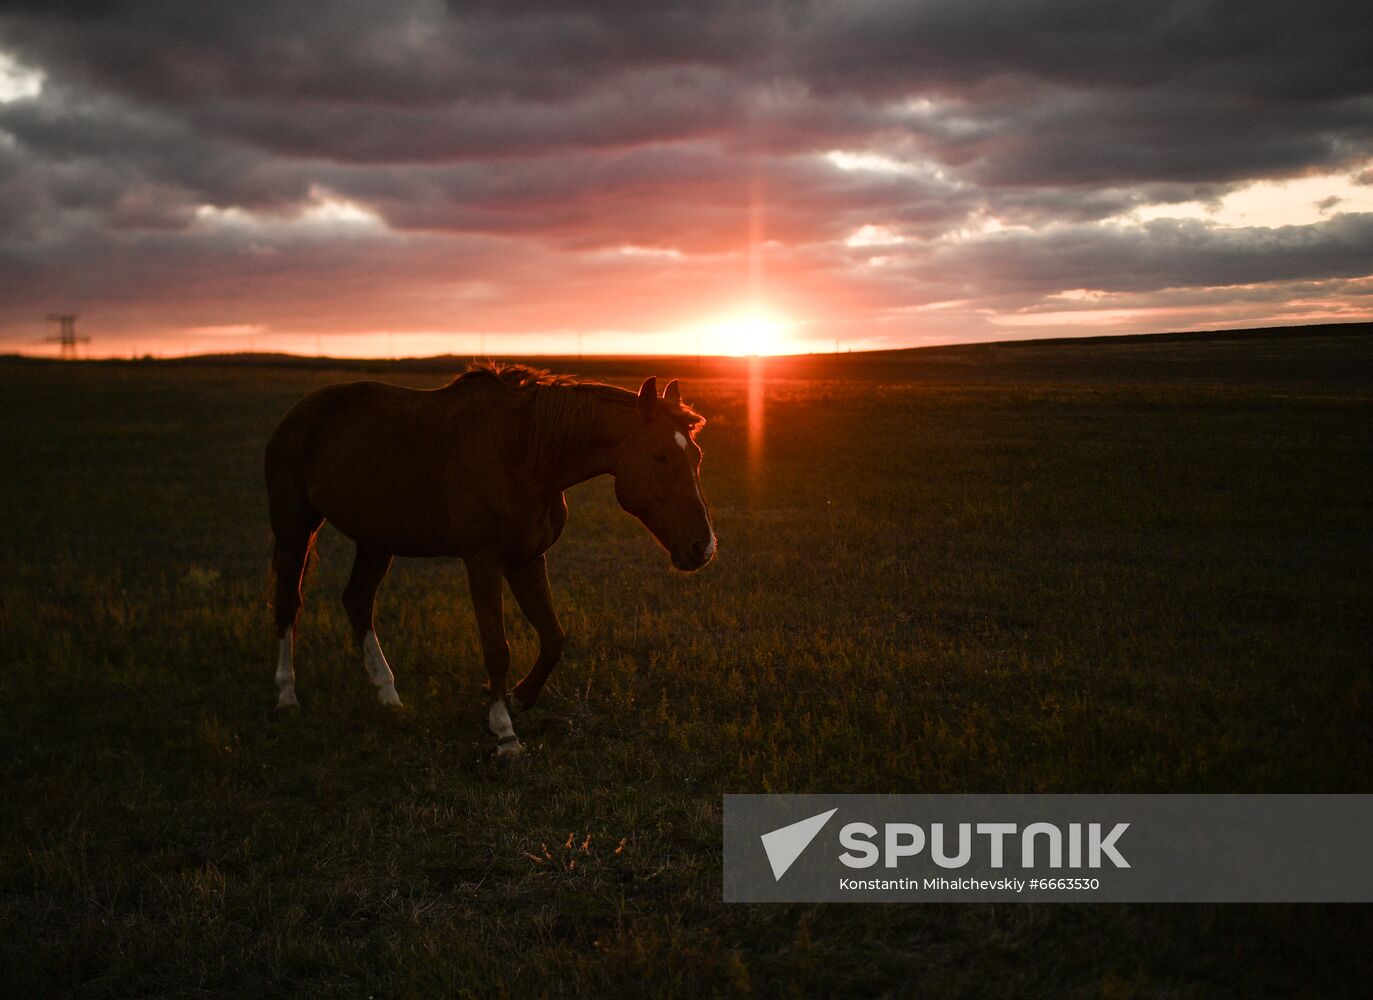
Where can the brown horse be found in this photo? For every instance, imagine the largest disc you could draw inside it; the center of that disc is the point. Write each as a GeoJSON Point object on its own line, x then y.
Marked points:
{"type": "Point", "coordinates": [477, 470]}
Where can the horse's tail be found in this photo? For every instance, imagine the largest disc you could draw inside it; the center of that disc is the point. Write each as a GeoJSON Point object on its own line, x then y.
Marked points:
{"type": "Point", "coordinates": [294, 520]}
{"type": "Point", "coordinates": [275, 565]}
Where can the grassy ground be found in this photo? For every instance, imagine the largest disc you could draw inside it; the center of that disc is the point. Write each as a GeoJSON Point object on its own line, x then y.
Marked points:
{"type": "Point", "coordinates": [935, 578]}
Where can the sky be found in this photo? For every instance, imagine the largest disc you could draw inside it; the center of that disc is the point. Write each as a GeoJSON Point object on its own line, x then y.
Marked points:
{"type": "Point", "coordinates": [413, 178]}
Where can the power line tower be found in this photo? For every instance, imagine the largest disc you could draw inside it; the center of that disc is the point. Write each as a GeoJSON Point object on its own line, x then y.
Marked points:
{"type": "Point", "coordinates": [66, 337]}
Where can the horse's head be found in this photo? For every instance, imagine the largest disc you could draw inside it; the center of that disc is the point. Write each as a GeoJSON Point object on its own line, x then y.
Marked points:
{"type": "Point", "coordinates": [657, 476]}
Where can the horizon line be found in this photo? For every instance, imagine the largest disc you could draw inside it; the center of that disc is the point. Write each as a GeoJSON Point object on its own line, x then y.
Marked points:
{"type": "Point", "coordinates": [581, 357]}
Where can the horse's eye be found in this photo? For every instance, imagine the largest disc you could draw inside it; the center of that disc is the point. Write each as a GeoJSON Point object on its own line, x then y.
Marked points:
{"type": "Point", "coordinates": [660, 459]}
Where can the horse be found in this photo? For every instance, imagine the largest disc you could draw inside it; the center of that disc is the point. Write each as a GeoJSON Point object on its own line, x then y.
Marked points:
{"type": "Point", "coordinates": [476, 470]}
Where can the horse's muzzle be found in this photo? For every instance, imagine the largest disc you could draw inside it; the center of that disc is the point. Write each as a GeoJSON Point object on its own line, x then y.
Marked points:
{"type": "Point", "coordinates": [700, 554]}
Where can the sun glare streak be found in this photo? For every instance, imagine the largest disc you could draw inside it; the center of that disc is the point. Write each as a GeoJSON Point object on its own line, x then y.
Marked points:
{"type": "Point", "coordinates": [754, 333]}
{"type": "Point", "coordinates": [756, 389]}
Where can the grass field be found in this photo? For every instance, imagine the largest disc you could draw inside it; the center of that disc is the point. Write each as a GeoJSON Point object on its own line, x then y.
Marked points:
{"type": "Point", "coordinates": [1001, 571]}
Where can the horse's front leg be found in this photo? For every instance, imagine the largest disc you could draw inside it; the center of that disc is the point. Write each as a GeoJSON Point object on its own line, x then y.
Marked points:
{"type": "Point", "coordinates": [529, 584]}
{"type": "Point", "coordinates": [484, 580]}
{"type": "Point", "coordinates": [359, 597]}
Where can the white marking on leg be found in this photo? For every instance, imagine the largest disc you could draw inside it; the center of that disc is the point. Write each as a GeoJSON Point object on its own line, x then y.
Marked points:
{"type": "Point", "coordinates": [680, 438]}
{"type": "Point", "coordinates": [498, 718]}
{"type": "Point", "coordinates": [286, 673]}
{"type": "Point", "coordinates": [379, 670]}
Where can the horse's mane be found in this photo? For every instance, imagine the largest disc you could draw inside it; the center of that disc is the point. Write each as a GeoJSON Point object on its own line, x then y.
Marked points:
{"type": "Point", "coordinates": [523, 381]}
{"type": "Point", "coordinates": [514, 376]}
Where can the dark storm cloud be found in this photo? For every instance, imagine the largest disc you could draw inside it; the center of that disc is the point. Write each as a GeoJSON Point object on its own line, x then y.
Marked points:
{"type": "Point", "coordinates": [586, 126]}
{"type": "Point", "coordinates": [412, 51]}
{"type": "Point", "coordinates": [691, 198]}
{"type": "Point", "coordinates": [100, 154]}
{"type": "Point", "coordinates": [1130, 137]}
{"type": "Point", "coordinates": [404, 53]}
{"type": "Point", "coordinates": [1269, 52]}
{"type": "Point", "coordinates": [1166, 254]}
{"type": "Point", "coordinates": [1160, 85]}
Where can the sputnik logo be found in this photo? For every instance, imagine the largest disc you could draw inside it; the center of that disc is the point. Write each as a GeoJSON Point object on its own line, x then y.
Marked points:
{"type": "Point", "coordinates": [785, 844]}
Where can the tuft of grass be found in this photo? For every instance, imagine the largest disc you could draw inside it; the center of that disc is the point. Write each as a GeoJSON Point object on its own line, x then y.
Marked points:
{"type": "Point", "coordinates": [927, 582]}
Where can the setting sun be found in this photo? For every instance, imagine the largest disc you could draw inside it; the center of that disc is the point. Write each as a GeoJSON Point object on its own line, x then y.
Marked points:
{"type": "Point", "coordinates": [754, 331]}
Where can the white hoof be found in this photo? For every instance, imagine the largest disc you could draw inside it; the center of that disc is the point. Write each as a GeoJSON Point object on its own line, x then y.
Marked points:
{"type": "Point", "coordinates": [509, 750]}
{"type": "Point", "coordinates": [388, 696]}
{"type": "Point", "coordinates": [287, 699]}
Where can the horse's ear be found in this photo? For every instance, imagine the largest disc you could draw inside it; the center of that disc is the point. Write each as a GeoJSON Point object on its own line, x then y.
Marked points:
{"type": "Point", "coordinates": [648, 397]}
{"type": "Point", "coordinates": [672, 394]}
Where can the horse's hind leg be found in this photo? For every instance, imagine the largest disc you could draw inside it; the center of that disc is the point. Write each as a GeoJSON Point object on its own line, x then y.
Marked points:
{"type": "Point", "coordinates": [359, 597]}
{"type": "Point", "coordinates": [289, 557]}
{"type": "Point", "coordinates": [529, 584]}
{"type": "Point", "coordinates": [484, 579]}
